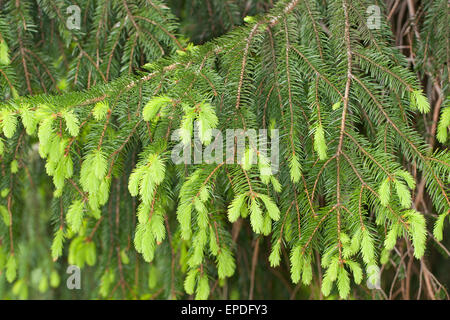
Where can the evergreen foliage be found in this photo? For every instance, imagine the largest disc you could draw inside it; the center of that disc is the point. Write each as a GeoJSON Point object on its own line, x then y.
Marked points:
{"type": "Point", "coordinates": [87, 120]}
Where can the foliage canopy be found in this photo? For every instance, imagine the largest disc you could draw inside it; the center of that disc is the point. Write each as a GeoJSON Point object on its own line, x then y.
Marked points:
{"type": "Point", "coordinates": [85, 151]}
